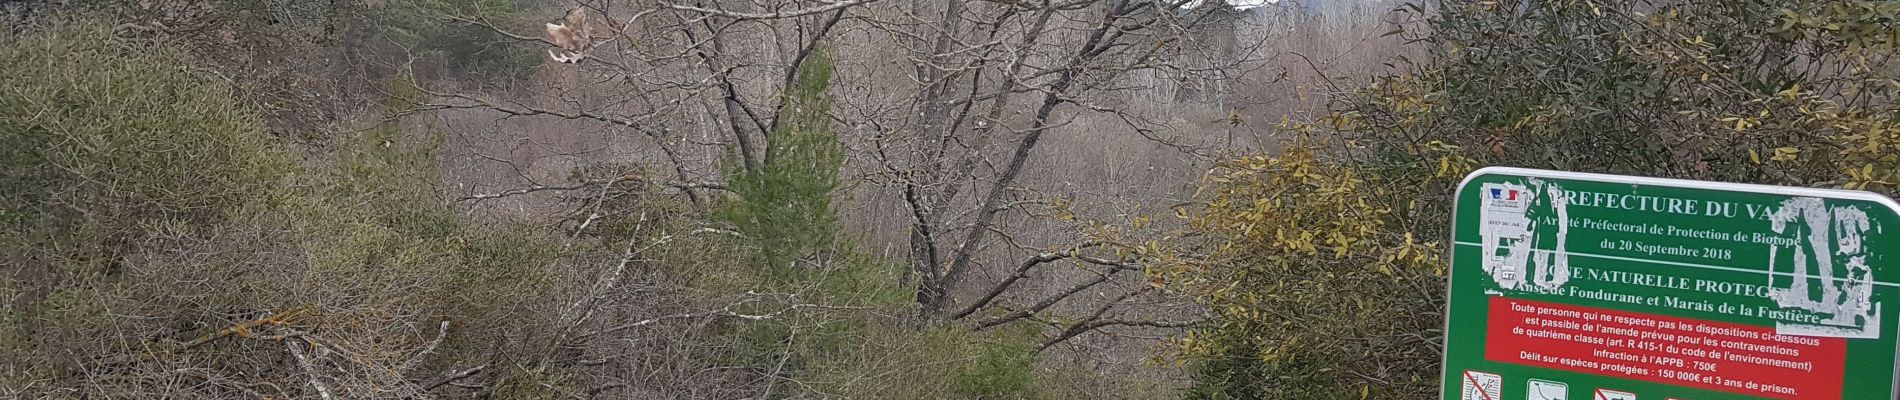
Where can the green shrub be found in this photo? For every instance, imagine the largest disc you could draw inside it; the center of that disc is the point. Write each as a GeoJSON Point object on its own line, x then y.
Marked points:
{"type": "Point", "coordinates": [1314, 290]}
{"type": "Point", "coordinates": [144, 206]}
{"type": "Point", "coordinates": [133, 140]}
{"type": "Point", "coordinates": [95, 161]}
{"type": "Point", "coordinates": [130, 150]}
{"type": "Point", "coordinates": [784, 204]}
{"type": "Point", "coordinates": [1004, 368]}
{"type": "Point", "coordinates": [891, 361]}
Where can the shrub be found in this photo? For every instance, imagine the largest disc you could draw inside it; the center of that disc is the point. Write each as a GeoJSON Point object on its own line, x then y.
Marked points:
{"type": "Point", "coordinates": [1314, 288]}
{"type": "Point", "coordinates": [97, 161]}
{"type": "Point", "coordinates": [135, 141]}
{"type": "Point", "coordinates": [146, 210]}
{"type": "Point", "coordinates": [1003, 368]}
{"type": "Point", "coordinates": [784, 204]}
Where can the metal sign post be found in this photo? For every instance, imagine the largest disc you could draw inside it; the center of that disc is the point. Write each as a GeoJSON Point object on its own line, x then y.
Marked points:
{"type": "Point", "coordinates": [1599, 287]}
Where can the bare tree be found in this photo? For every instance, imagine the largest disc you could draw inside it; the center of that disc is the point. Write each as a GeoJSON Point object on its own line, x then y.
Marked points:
{"type": "Point", "coordinates": [958, 148]}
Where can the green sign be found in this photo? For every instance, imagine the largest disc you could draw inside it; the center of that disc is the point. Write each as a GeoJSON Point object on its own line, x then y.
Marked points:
{"type": "Point", "coordinates": [1598, 287]}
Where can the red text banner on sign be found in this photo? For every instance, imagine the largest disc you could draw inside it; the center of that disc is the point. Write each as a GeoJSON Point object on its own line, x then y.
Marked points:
{"type": "Point", "coordinates": [1722, 356]}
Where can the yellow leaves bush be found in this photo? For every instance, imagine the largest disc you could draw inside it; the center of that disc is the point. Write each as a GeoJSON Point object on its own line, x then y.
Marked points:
{"type": "Point", "coordinates": [1291, 205]}
{"type": "Point", "coordinates": [1309, 279]}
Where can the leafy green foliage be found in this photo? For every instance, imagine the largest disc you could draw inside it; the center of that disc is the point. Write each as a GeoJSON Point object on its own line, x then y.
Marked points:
{"type": "Point", "coordinates": [1004, 368]}
{"type": "Point", "coordinates": [1753, 91]}
{"type": "Point", "coordinates": [149, 210]}
{"type": "Point", "coordinates": [784, 204]}
{"type": "Point", "coordinates": [825, 310]}
{"type": "Point", "coordinates": [783, 210]}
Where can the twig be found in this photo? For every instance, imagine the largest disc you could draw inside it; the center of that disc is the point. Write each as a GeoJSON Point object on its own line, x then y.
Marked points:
{"type": "Point", "coordinates": [413, 361]}
{"type": "Point", "coordinates": [1071, 333]}
{"type": "Point", "coordinates": [315, 382]}
{"type": "Point", "coordinates": [643, 322]}
{"type": "Point", "coordinates": [542, 188]}
{"type": "Point", "coordinates": [1082, 325]}
{"type": "Point", "coordinates": [772, 378]}
{"type": "Point", "coordinates": [1021, 272]}
{"type": "Point", "coordinates": [452, 377]}
{"type": "Point", "coordinates": [1058, 297]}
{"type": "Point", "coordinates": [588, 184]}
{"type": "Point", "coordinates": [773, 15]}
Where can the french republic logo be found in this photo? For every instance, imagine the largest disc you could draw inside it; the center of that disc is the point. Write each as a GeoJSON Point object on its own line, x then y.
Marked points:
{"type": "Point", "coordinates": [1507, 197]}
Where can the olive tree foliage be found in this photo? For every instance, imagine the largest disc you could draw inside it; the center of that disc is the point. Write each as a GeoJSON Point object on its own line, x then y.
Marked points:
{"type": "Point", "coordinates": [1324, 276]}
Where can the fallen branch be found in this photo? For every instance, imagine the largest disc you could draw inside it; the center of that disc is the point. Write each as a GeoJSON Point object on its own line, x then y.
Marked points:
{"type": "Point", "coordinates": [315, 382]}
{"type": "Point", "coordinates": [244, 329]}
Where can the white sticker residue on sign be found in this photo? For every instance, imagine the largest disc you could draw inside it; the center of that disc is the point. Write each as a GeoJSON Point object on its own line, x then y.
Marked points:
{"type": "Point", "coordinates": [1507, 222]}
{"type": "Point", "coordinates": [1828, 252]}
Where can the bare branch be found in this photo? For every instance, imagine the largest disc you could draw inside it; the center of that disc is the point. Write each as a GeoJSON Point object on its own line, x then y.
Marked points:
{"type": "Point", "coordinates": [775, 14]}
{"type": "Point", "coordinates": [296, 350]}
{"type": "Point", "coordinates": [798, 62]}
{"type": "Point", "coordinates": [1021, 272]}
{"type": "Point", "coordinates": [1058, 297]}
{"type": "Point", "coordinates": [966, 251]}
{"type": "Point", "coordinates": [452, 377]}
{"type": "Point", "coordinates": [442, 332]}
{"type": "Point", "coordinates": [1098, 324]}
{"type": "Point", "coordinates": [588, 184]}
